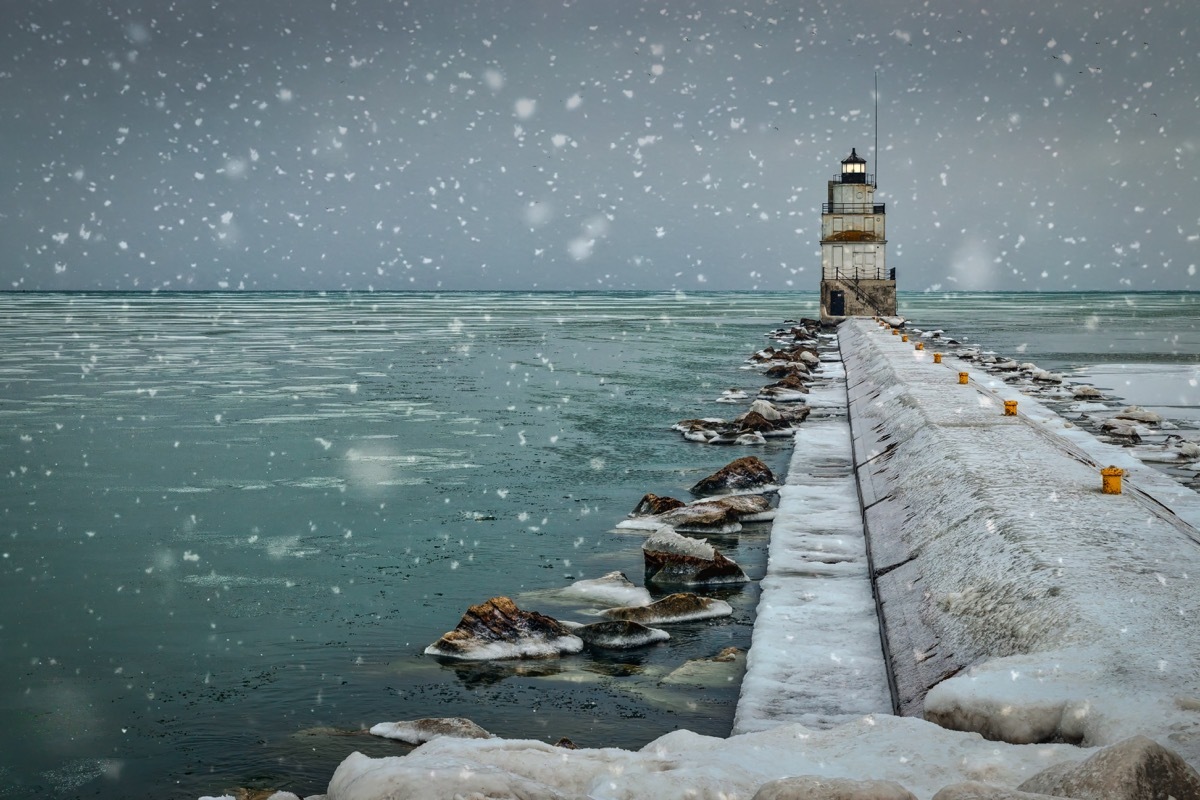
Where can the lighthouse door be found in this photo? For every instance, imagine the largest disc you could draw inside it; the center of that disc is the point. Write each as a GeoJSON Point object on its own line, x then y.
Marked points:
{"type": "Point", "coordinates": [837, 303]}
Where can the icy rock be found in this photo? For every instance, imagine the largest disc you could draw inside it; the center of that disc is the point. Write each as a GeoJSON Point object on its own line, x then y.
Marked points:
{"type": "Point", "coordinates": [732, 396]}
{"type": "Point", "coordinates": [498, 629]}
{"type": "Point", "coordinates": [1045, 376]}
{"type": "Point", "coordinates": [361, 777]}
{"type": "Point", "coordinates": [742, 474]}
{"type": "Point", "coordinates": [652, 504]}
{"type": "Point", "coordinates": [620, 634]}
{"type": "Point", "coordinates": [723, 669]}
{"type": "Point", "coordinates": [1137, 768]}
{"type": "Point", "coordinates": [703, 518]}
{"type": "Point", "coordinates": [1085, 392]}
{"type": "Point", "coordinates": [974, 790]}
{"type": "Point", "coordinates": [1139, 414]}
{"type": "Point", "coordinates": [811, 787]}
{"type": "Point", "coordinates": [1124, 429]}
{"type": "Point", "coordinates": [764, 410]}
{"type": "Point", "coordinates": [784, 370]}
{"type": "Point", "coordinates": [419, 731]}
{"type": "Point", "coordinates": [678, 607]}
{"type": "Point", "coordinates": [680, 560]}
{"type": "Point", "coordinates": [790, 382]}
{"type": "Point", "coordinates": [611, 588]}
{"type": "Point", "coordinates": [750, 439]}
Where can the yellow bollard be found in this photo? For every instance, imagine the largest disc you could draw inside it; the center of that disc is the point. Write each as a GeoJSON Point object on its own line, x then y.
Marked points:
{"type": "Point", "coordinates": [962, 378]}
{"type": "Point", "coordinates": [920, 346]}
{"type": "Point", "coordinates": [937, 358]}
{"type": "Point", "coordinates": [895, 332]}
{"type": "Point", "coordinates": [1111, 480]}
{"type": "Point", "coordinates": [904, 338]}
{"type": "Point", "coordinates": [1010, 408]}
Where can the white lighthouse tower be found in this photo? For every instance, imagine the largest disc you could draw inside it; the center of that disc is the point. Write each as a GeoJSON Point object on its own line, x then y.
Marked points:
{"type": "Point", "coordinates": [855, 279]}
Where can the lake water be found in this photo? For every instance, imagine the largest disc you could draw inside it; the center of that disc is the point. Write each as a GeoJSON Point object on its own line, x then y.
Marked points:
{"type": "Point", "coordinates": [232, 522]}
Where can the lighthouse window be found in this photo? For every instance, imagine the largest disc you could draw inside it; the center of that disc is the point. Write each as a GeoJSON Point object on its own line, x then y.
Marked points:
{"type": "Point", "coordinates": [837, 224]}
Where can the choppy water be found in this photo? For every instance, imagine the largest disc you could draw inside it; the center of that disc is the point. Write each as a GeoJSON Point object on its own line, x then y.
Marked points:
{"type": "Point", "coordinates": [231, 521]}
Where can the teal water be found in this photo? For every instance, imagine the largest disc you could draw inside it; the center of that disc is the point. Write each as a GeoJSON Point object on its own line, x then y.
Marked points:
{"type": "Point", "coordinates": [233, 521]}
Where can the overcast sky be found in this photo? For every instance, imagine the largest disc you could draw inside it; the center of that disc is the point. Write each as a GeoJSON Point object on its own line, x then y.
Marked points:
{"type": "Point", "coordinates": [602, 144]}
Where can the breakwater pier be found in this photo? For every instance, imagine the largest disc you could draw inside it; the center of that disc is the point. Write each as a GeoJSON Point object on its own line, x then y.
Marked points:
{"type": "Point", "coordinates": [1016, 598]}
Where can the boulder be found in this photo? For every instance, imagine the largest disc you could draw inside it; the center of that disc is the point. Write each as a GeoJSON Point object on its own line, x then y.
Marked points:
{"type": "Point", "coordinates": [419, 731]}
{"type": "Point", "coordinates": [608, 589]}
{"type": "Point", "coordinates": [360, 776]}
{"type": "Point", "coordinates": [1139, 414]}
{"type": "Point", "coordinates": [791, 381]}
{"type": "Point", "coordinates": [703, 518]}
{"type": "Point", "coordinates": [811, 787]}
{"type": "Point", "coordinates": [678, 607]}
{"type": "Point", "coordinates": [498, 629]}
{"type": "Point", "coordinates": [652, 504]}
{"type": "Point", "coordinates": [742, 474]}
{"type": "Point", "coordinates": [682, 561]}
{"type": "Point", "coordinates": [1137, 768]}
{"type": "Point", "coordinates": [974, 790]}
{"type": "Point", "coordinates": [783, 370]}
{"type": "Point", "coordinates": [620, 634]}
{"type": "Point", "coordinates": [763, 409]}
{"type": "Point", "coordinates": [1085, 392]}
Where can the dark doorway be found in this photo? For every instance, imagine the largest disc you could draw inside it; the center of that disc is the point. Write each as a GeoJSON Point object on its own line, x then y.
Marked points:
{"type": "Point", "coordinates": [837, 303]}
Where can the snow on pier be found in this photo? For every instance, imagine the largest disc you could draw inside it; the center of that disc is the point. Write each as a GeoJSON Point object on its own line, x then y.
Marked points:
{"type": "Point", "coordinates": [1017, 599]}
{"type": "Point", "coordinates": [815, 655]}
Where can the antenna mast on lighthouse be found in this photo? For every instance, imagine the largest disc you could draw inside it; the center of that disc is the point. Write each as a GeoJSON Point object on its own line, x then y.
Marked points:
{"type": "Point", "coordinates": [877, 128]}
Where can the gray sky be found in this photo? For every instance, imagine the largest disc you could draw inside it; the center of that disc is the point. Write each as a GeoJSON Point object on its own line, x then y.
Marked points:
{"type": "Point", "coordinates": [604, 144]}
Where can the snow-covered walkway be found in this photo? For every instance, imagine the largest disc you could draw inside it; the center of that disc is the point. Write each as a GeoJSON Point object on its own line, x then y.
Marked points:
{"type": "Point", "coordinates": [1030, 605]}
{"type": "Point", "coordinates": [816, 656]}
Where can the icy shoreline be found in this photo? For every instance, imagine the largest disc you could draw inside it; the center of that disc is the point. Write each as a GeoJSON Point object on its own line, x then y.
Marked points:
{"type": "Point", "coordinates": [1093, 611]}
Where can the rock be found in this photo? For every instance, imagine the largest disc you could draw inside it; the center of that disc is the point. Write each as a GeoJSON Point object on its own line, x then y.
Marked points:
{"type": "Point", "coordinates": [1085, 392]}
{"type": "Point", "coordinates": [724, 669]}
{"type": "Point", "coordinates": [359, 776]}
{"type": "Point", "coordinates": [1139, 414]}
{"type": "Point", "coordinates": [973, 790]}
{"type": "Point", "coordinates": [609, 589]}
{"type": "Point", "coordinates": [620, 634]}
{"type": "Point", "coordinates": [747, 506]}
{"type": "Point", "coordinates": [742, 474]}
{"type": "Point", "coordinates": [678, 607]}
{"type": "Point", "coordinates": [1045, 376]}
{"type": "Point", "coordinates": [1137, 768]}
{"type": "Point", "coordinates": [811, 787]}
{"type": "Point", "coordinates": [703, 518]}
{"type": "Point", "coordinates": [784, 370]}
{"type": "Point", "coordinates": [566, 744]}
{"type": "Point", "coordinates": [680, 560]}
{"type": "Point", "coordinates": [652, 505]}
{"type": "Point", "coordinates": [753, 421]}
{"type": "Point", "coordinates": [763, 409]}
{"type": "Point", "coordinates": [789, 382]}
{"type": "Point", "coordinates": [733, 396]}
{"type": "Point", "coordinates": [1123, 429]}
{"type": "Point", "coordinates": [419, 731]}
{"type": "Point", "coordinates": [498, 629]}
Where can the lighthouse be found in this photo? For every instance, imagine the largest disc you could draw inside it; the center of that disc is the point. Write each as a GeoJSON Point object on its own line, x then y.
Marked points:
{"type": "Point", "coordinates": [855, 279]}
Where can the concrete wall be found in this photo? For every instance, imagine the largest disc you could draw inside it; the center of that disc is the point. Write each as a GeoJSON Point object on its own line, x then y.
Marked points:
{"type": "Point", "coordinates": [872, 297]}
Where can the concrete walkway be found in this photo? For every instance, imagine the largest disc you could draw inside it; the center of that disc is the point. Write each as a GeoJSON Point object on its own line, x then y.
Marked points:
{"type": "Point", "coordinates": [1015, 598]}
{"type": "Point", "coordinates": [815, 655]}
{"type": "Point", "coordinates": [990, 539]}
